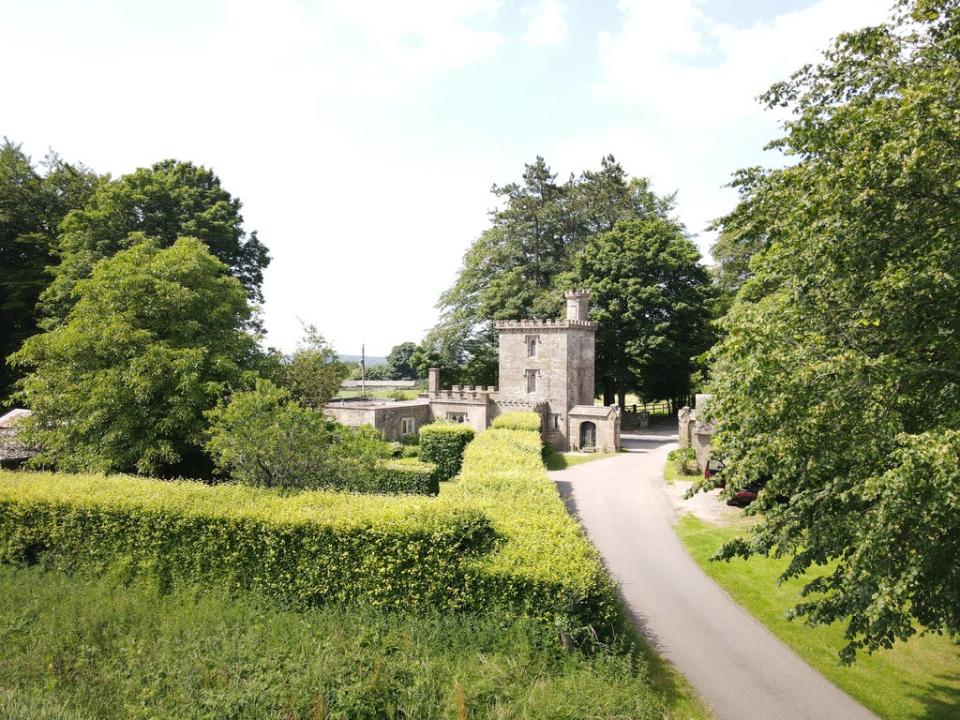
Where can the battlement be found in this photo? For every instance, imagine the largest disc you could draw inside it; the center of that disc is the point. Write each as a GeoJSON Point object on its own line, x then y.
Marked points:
{"type": "Point", "coordinates": [545, 324]}
{"type": "Point", "coordinates": [465, 393]}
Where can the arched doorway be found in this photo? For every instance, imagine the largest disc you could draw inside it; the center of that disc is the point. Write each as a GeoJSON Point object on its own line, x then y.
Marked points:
{"type": "Point", "coordinates": [588, 435]}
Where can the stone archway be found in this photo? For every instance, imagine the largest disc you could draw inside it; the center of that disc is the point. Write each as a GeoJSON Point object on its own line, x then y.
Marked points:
{"type": "Point", "coordinates": [588, 435]}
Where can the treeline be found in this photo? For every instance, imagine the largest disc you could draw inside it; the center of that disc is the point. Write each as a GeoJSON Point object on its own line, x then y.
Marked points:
{"type": "Point", "coordinates": [129, 312]}
{"type": "Point", "coordinates": [602, 230]}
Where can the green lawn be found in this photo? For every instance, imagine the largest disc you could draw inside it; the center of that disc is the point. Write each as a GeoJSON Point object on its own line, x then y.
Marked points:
{"type": "Point", "coordinates": [917, 679]}
{"type": "Point", "coordinates": [379, 394]}
{"type": "Point", "coordinates": [562, 460]}
{"type": "Point", "coordinates": [77, 649]}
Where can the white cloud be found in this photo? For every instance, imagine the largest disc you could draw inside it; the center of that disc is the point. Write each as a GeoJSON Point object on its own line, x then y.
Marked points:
{"type": "Point", "coordinates": [674, 59]}
{"type": "Point", "coordinates": [546, 24]}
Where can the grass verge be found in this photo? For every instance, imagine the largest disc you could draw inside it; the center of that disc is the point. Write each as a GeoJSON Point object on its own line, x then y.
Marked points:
{"type": "Point", "coordinates": [79, 649]}
{"type": "Point", "coordinates": [672, 473]}
{"type": "Point", "coordinates": [562, 460]}
{"type": "Point", "coordinates": [914, 680]}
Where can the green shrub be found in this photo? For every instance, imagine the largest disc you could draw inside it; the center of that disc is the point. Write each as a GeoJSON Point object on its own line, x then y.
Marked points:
{"type": "Point", "coordinates": [684, 461]}
{"type": "Point", "coordinates": [313, 547]}
{"type": "Point", "coordinates": [410, 451]}
{"type": "Point", "coordinates": [530, 421]}
{"type": "Point", "coordinates": [443, 444]}
{"type": "Point", "coordinates": [263, 438]}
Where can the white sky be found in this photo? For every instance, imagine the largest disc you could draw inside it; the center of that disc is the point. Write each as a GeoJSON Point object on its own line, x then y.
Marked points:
{"type": "Point", "coordinates": [363, 137]}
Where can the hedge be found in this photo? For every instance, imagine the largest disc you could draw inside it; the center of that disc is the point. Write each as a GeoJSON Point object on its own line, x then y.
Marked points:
{"type": "Point", "coordinates": [404, 476]}
{"type": "Point", "coordinates": [313, 547]}
{"type": "Point", "coordinates": [544, 567]}
{"type": "Point", "coordinates": [443, 444]}
{"type": "Point", "coordinates": [530, 421]}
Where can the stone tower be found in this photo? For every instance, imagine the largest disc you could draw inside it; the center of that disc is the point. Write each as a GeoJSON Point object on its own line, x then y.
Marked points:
{"type": "Point", "coordinates": [548, 365]}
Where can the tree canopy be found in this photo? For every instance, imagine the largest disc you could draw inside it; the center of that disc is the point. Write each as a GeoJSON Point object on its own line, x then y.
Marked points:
{"type": "Point", "coordinates": [155, 339]}
{"type": "Point", "coordinates": [166, 201]}
{"type": "Point", "coordinates": [33, 202]}
{"type": "Point", "coordinates": [650, 295]}
{"type": "Point", "coordinates": [839, 374]}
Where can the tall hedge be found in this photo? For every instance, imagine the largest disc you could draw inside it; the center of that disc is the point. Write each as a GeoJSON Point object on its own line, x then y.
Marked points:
{"type": "Point", "coordinates": [530, 421]}
{"type": "Point", "coordinates": [314, 547]}
{"type": "Point", "coordinates": [543, 566]}
{"type": "Point", "coordinates": [443, 444]}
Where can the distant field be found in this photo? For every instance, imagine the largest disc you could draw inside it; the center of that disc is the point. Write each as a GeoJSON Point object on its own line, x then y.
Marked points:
{"type": "Point", "coordinates": [379, 394]}
{"type": "Point", "coordinates": [917, 680]}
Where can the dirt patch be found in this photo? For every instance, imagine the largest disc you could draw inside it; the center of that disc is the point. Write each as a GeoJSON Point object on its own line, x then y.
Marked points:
{"type": "Point", "coordinates": [707, 506]}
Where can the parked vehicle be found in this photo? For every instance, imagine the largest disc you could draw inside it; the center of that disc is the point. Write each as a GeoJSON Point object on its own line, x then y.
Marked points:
{"type": "Point", "coordinates": [712, 469]}
{"type": "Point", "coordinates": [747, 494]}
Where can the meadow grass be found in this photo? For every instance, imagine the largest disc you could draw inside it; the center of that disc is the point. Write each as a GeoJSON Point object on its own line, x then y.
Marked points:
{"type": "Point", "coordinates": [913, 680]}
{"type": "Point", "coordinates": [75, 648]}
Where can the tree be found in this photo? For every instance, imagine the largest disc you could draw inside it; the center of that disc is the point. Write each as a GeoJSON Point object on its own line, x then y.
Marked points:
{"type": "Point", "coordinates": [651, 298]}
{"type": "Point", "coordinates": [154, 340]}
{"type": "Point", "coordinates": [313, 373]}
{"type": "Point", "coordinates": [167, 201]}
{"type": "Point", "coordinates": [399, 361]}
{"type": "Point", "coordinates": [263, 437]}
{"type": "Point", "coordinates": [839, 373]}
{"type": "Point", "coordinates": [32, 205]}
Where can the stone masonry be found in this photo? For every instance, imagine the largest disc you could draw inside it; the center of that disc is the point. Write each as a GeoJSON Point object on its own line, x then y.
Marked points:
{"type": "Point", "coordinates": [545, 366]}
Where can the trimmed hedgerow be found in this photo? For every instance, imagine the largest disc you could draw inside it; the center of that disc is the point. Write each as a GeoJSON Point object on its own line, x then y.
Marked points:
{"type": "Point", "coordinates": [313, 547]}
{"type": "Point", "coordinates": [544, 567]}
{"type": "Point", "coordinates": [403, 476]}
{"type": "Point", "coordinates": [443, 444]}
{"type": "Point", "coordinates": [530, 421]}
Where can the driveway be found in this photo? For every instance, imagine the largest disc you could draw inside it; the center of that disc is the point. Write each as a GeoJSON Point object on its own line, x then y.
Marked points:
{"type": "Point", "coordinates": [739, 668]}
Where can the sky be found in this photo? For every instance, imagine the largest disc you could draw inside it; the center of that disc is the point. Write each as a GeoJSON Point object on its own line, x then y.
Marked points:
{"type": "Point", "coordinates": [363, 137]}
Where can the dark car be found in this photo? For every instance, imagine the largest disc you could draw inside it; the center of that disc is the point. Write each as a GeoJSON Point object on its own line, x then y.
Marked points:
{"type": "Point", "coordinates": [747, 494]}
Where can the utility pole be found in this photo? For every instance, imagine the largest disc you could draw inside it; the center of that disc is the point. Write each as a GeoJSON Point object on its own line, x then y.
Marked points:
{"type": "Point", "coordinates": [363, 370]}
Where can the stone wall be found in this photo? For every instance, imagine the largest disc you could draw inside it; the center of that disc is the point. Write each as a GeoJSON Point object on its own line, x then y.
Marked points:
{"type": "Point", "coordinates": [387, 417]}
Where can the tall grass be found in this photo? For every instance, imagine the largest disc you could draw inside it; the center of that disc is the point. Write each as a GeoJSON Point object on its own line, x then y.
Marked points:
{"type": "Point", "coordinates": [77, 649]}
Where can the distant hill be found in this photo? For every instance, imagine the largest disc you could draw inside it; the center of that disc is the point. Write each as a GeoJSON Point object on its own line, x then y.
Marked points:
{"type": "Point", "coordinates": [371, 360]}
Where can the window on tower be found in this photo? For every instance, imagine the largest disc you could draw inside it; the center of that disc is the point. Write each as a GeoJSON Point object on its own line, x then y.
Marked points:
{"type": "Point", "coordinates": [532, 341]}
{"type": "Point", "coordinates": [531, 381]}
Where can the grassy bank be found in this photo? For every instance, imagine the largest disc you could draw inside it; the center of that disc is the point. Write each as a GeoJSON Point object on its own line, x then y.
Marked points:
{"type": "Point", "coordinates": [72, 648]}
{"type": "Point", "coordinates": [917, 680]}
{"type": "Point", "coordinates": [555, 460]}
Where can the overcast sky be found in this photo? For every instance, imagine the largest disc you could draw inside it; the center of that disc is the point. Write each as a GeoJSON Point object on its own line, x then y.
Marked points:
{"type": "Point", "coordinates": [363, 137]}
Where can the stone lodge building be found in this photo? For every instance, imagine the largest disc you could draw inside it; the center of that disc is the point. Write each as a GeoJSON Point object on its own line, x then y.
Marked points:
{"type": "Point", "coordinates": [546, 366]}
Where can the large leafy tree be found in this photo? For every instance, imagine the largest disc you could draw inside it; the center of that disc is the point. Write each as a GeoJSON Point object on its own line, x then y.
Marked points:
{"type": "Point", "coordinates": [169, 200]}
{"type": "Point", "coordinates": [399, 362]}
{"type": "Point", "coordinates": [33, 202]}
{"type": "Point", "coordinates": [156, 337]}
{"type": "Point", "coordinates": [839, 374]}
{"type": "Point", "coordinates": [651, 297]}
{"type": "Point", "coordinates": [313, 373]}
{"type": "Point", "coordinates": [520, 266]}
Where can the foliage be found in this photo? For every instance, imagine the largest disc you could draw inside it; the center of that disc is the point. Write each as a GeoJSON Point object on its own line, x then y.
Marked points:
{"type": "Point", "coordinates": [838, 373]}
{"type": "Point", "coordinates": [520, 266]}
{"type": "Point", "coordinates": [33, 202]}
{"type": "Point", "coordinates": [529, 421]}
{"type": "Point", "coordinates": [167, 201]}
{"type": "Point", "coordinates": [313, 373]}
{"type": "Point", "coordinates": [916, 680]}
{"type": "Point", "coordinates": [651, 298]}
{"type": "Point", "coordinates": [154, 340]}
{"type": "Point", "coordinates": [312, 547]}
{"type": "Point", "coordinates": [262, 437]}
{"type": "Point", "coordinates": [399, 362]}
{"type": "Point", "coordinates": [443, 444]}
{"type": "Point", "coordinates": [118, 652]}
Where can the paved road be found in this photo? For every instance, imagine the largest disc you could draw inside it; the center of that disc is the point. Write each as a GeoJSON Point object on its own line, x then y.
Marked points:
{"type": "Point", "coordinates": [739, 668]}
